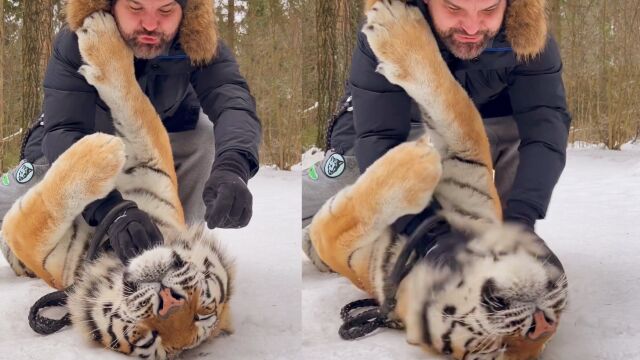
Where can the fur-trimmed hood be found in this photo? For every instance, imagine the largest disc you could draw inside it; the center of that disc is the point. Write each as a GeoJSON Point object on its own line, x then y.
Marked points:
{"type": "Point", "coordinates": [525, 25]}
{"type": "Point", "coordinates": [198, 30]}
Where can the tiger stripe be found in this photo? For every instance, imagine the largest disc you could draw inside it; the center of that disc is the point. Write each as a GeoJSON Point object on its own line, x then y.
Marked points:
{"type": "Point", "coordinates": [141, 191]}
{"type": "Point", "coordinates": [132, 170]}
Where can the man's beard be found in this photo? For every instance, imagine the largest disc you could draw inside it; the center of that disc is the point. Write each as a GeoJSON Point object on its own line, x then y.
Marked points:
{"type": "Point", "coordinates": [148, 51]}
{"type": "Point", "coordinates": [465, 50]}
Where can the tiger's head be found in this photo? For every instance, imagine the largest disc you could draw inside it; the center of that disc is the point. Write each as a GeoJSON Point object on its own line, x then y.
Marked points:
{"type": "Point", "coordinates": [165, 300]}
{"type": "Point", "coordinates": [499, 295]}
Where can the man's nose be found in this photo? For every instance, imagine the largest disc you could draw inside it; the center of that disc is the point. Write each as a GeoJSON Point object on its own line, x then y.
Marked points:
{"type": "Point", "coordinates": [149, 22]}
{"type": "Point", "coordinates": [471, 24]}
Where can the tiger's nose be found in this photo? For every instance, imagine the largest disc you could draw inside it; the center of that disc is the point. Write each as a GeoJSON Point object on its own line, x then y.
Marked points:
{"type": "Point", "coordinates": [541, 326]}
{"type": "Point", "coordinates": [168, 301]}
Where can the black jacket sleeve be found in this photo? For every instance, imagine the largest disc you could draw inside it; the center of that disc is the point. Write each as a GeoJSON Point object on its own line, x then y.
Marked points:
{"type": "Point", "coordinates": [69, 109]}
{"type": "Point", "coordinates": [381, 110]}
{"type": "Point", "coordinates": [69, 101]}
{"type": "Point", "coordinates": [225, 98]}
{"type": "Point", "coordinates": [540, 110]}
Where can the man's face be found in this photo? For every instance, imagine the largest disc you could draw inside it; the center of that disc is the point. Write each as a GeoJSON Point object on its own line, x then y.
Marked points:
{"type": "Point", "coordinates": [148, 26]}
{"type": "Point", "coordinates": [466, 26]}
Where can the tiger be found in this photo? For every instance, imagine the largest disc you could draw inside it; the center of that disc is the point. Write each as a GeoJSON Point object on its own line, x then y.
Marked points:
{"type": "Point", "coordinates": [497, 295]}
{"type": "Point", "coordinates": [166, 299]}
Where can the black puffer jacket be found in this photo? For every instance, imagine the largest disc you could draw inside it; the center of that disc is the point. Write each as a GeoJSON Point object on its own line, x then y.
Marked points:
{"type": "Point", "coordinates": [176, 89]}
{"type": "Point", "coordinates": [499, 84]}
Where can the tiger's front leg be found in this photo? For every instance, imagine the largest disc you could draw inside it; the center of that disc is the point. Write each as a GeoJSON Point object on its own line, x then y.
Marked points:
{"type": "Point", "coordinates": [409, 57]}
{"type": "Point", "coordinates": [109, 68]}
{"type": "Point", "coordinates": [399, 183]}
{"type": "Point", "coordinates": [41, 228]}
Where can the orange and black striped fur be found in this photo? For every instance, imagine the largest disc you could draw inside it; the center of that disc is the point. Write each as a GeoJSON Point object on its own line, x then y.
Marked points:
{"type": "Point", "coordinates": [500, 294]}
{"type": "Point", "coordinates": [167, 299]}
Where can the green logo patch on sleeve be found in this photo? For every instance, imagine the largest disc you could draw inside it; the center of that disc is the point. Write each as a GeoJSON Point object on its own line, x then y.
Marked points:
{"type": "Point", "coordinates": [313, 174]}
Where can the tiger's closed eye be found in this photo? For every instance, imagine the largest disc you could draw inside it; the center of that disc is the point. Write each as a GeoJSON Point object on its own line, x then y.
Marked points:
{"type": "Point", "coordinates": [200, 317]}
{"type": "Point", "coordinates": [491, 299]}
{"type": "Point", "coordinates": [206, 312]}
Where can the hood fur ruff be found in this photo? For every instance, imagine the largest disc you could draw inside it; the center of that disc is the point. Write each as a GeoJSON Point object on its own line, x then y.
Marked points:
{"type": "Point", "coordinates": [525, 23]}
{"type": "Point", "coordinates": [198, 31]}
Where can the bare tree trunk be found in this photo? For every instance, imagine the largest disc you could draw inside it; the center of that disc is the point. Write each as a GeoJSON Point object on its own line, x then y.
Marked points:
{"type": "Point", "coordinates": [36, 44]}
{"type": "Point", "coordinates": [46, 33]}
{"type": "Point", "coordinates": [556, 19]}
{"type": "Point", "coordinates": [337, 23]}
{"type": "Point", "coordinates": [309, 75]}
{"type": "Point", "coordinates": [327, 67]}
{"type": "Point", "coordinates": [231, 24]}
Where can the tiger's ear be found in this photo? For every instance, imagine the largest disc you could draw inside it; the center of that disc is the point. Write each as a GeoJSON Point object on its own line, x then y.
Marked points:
{"type": "Point", "coordinates": [225, 327]}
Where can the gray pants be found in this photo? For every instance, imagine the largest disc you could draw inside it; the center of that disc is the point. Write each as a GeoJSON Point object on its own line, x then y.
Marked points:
{"type": "Point", "coordinates": [193, 153]}
{"type": "Point", "coordinates": [504, 139]}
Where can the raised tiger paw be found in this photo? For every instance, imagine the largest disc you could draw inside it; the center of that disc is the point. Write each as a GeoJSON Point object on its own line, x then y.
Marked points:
{"type": "Point", "coordinates": [402, 41]}
{"type": "Point", "coordinates": [109, 61]}
{"type": "Point", "coordinates": [90, 167]}
{"type": "Point", "coordinates": [404, 178]}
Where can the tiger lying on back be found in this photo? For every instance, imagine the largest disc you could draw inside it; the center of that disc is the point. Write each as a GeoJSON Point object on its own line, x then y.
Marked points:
{"type": "Point", "coordinates": [497, 295]}
{"type": "Point", "coordinates": [167, 299]}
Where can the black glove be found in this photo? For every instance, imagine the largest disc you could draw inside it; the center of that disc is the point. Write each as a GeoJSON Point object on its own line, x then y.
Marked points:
{"type": "Point", "coordinates": [521, 213]}
{"type": "Point", "coordinates": [95, 212]}
{"type": "Point", "coordinates": [226, 196]}
{"type": "Point", "coordinates": [132, 232]}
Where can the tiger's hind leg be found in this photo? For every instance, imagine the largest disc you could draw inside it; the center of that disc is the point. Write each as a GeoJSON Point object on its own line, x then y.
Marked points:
{"type": "Point", "coordinates": [39, 226]}
{"type": "Point", "coordinates": [14, 263]}
{"type": "Point", "coordinates": [399, 183]}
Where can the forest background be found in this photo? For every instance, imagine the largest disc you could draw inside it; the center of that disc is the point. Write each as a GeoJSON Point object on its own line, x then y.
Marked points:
{"type": "Point", "coordinates": [296, 54]}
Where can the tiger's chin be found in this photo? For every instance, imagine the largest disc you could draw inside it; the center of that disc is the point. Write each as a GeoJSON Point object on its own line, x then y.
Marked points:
{"type": "Point", "coordinates": [500, 296]}
{"type": "Point", "coordinates": [166, 300]}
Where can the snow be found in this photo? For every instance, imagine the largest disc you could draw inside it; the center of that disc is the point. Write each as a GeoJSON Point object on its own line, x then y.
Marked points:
{"type": "Point", "coordinates": [265, 306]}
{"type": "Point", "coordinates": [309, 157]}
{"type": "Point", "coordinates": [592, 225]}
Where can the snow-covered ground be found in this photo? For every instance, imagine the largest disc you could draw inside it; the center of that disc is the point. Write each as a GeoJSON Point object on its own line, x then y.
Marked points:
{"type": "Point", "coordinates": [593, 225]}
{"type": "Point", "coordinates": [266, 305]}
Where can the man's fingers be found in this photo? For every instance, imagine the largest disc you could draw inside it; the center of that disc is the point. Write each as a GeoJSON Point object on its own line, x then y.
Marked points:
{"type": "Point", "coordinates": [236, 210]}
{"type": "Point", "coordinates": [153, 234]}
{"type": "Point", "coordinates": [246, 216]}
{"type": "Point", "coordinates": [246, 199]}
{"type": "Point", "coordinates": [140, 236]}
{"type": "Point", "coordinates": [122, 247]}
{"type": "Point", "coordinates": [219, 210]}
